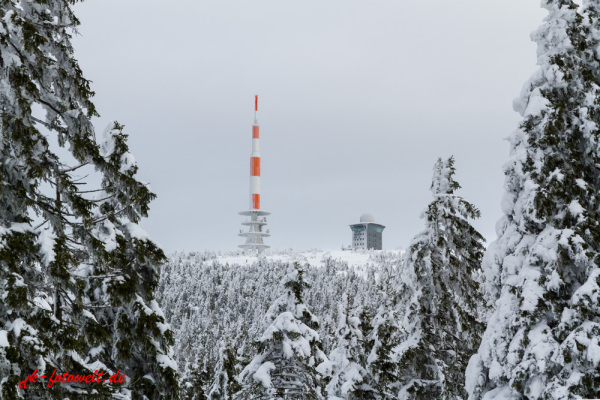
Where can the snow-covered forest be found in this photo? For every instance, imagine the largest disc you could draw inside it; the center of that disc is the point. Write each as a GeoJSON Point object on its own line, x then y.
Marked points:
{"type": "Point", "coordinates": [347, 325]}
{"type": "Point", "coordinates": [230, 295]}
{"type": "Point", "coordinates": [84, 289]}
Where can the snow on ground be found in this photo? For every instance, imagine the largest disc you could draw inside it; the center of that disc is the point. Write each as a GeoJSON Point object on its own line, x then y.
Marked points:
{"type": "Point", "coordinates": [356, 259]}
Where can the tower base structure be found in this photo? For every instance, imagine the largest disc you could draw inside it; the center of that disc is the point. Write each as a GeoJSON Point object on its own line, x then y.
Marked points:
{"type": "Point", "coordinates": [254, 236]}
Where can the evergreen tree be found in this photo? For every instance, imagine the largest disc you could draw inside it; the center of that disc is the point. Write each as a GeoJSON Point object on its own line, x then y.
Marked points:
{"type": "Point", "coordinates": [383, 331]}
{"type": "Point", "coordinates": [383, 340]}
{"type": "Point", "coordinates": [77, 274]}
{"type": "Point", "coordinates": [443, 322]}
{"type": "Point", "coordinates": [225, 383]}
{"type": "Point", "coordinates": [542, 273]}
{"type": "Point", "coordinates": [288, 351]}
{"type": "Point", "coordinates": [365, 317]}
{"type": "Point", "coordinates": [125, 264]}
{"type": "Point", "coordinates": [345, 372]}
{"type": "Point", "coordinates": [193, 383]}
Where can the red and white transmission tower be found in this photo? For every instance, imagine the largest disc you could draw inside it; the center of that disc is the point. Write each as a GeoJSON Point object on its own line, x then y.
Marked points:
{"type": "Point", "coordinates": [255, 234]}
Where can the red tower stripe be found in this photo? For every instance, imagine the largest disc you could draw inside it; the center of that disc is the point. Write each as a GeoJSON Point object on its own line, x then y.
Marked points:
{"type": "Point", "coordinates": [255, 132]}
{"type": "Point", "coordinates": [256, 103]}
{"type": "Point", "coordinates": [255, 166]}
{"type": "Point", "coordinates": [256, 201]}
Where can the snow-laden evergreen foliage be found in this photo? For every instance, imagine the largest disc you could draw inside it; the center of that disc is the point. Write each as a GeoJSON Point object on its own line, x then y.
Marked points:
{"type": "Point", "coordinates": [288, 351]}
{"type": "Point", "coordinates": [542, 273]}
{"type": "Point", "coordinates": [220, 302]}
{"type": "Point", "coordinates": [225, 376]}
{"type": "Point", "coordinates": [383, 339]}
{"type": "Point", "coordinates": [345, 372]}
{"type": "Point", "coordinates": [77, 274]}
{"type": "Point", "coordinates": [442, 324]}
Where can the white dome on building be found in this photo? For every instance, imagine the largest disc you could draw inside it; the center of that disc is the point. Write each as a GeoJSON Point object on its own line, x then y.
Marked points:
{"type": "Point", "coordinates": [366, 217]}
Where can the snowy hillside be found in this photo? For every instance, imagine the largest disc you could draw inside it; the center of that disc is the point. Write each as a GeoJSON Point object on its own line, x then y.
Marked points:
{"type": "Point", "coordinates": [357, 260]}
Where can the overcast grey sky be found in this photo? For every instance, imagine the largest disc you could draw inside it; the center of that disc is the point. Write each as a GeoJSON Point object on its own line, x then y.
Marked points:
{"type": "Point", "coordinates": [357, 101]}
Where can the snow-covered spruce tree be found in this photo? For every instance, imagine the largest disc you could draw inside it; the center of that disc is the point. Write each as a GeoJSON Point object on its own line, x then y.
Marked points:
{"type": "Point", "coordinates": [288, 351]}
{"type": "Point", "coordinates": [76, 275]}
{"type": "Point", "coordinates": [382, 331]}
{"type": "Point", "coordinates": [542, 273]}
{"type": "Point", "coordinates": [383, 340]}
{"type": "Point", "coordinates": [442, 323]}
{"type": "Point", "coordinates": [192, 386]}
{"type": "Point", "coordinates": [225, 383]}
{"type": "Point", "coordinates": [345, 371]}
{"type": "Point", "coordinates": [124, 266]}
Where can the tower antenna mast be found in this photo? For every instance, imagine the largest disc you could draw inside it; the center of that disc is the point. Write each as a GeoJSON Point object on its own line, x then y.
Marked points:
{"type": "Point", "coordinates": [254, 236]}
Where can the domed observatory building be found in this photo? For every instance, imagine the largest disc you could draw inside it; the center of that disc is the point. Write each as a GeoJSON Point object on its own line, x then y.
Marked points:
{"type": "Point", "coordinates": [367, 234]}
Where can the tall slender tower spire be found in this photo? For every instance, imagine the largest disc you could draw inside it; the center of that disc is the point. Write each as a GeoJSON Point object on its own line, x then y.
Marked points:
{"type": "Point", "coordinates": [255, 234]}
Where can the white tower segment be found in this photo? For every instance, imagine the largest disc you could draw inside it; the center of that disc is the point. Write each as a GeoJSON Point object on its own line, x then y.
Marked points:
{"type": "Point", "coordinates": [255, 234]}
